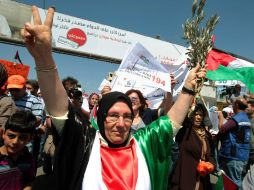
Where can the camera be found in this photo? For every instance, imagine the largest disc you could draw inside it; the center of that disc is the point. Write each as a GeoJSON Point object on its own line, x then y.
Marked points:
{"type": "Point", "coordinates": [228, 90]}
{"type": "Point", "coordinates": [74, 93]}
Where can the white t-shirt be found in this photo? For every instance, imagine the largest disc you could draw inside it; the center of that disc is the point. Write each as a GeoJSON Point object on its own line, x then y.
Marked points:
{"type": "Point", "coordinates": [85, 104]}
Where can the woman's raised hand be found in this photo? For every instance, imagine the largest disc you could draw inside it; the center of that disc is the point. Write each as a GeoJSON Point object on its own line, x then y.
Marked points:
{"type": "Point", "coordinates": [194, 75]}
{"type": "Point", "coordinates": [38, 36]}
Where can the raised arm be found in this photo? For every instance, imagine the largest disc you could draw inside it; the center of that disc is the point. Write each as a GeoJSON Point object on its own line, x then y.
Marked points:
{"type": "Point", "coordinates": [167, 102]}
{"type": "Point", "coordinates": [180, 108]}
{"type": "Point", "coordinates": [38, 38]}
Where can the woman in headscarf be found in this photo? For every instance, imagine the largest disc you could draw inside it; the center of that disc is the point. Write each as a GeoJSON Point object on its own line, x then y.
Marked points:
{"type": "Point", "coordinates": [196, 152]}
{"type": "Point", "coordinates": [93, 100]}
{"type": "Point", "coordinates": [110, 158]}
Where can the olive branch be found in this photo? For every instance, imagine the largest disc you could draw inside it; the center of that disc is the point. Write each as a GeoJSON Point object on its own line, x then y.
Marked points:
{"type": "Point", "coordinates": [199, 38]}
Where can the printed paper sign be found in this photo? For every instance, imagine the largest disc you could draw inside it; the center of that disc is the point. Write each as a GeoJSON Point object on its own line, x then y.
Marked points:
{"type": "Point", "coordinates": [140, 70]}
{"type": "Point", "coordinates": [140, 65]}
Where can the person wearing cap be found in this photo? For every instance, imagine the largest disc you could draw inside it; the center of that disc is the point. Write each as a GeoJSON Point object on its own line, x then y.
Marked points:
{"type": "Point", "coordinates": [235, 136]}
{"type": "Point", "coordinates": [7, 105]}
{"type": "Point", "coordinates": [16, 84]}
{"type": "Point", "coordinates": [22, 99]}
{"type": "Point", "coordinates": [110, 158]}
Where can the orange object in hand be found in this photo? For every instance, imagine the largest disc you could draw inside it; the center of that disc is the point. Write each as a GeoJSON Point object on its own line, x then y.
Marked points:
{"type": "Point", "coordinates": [205, 168]}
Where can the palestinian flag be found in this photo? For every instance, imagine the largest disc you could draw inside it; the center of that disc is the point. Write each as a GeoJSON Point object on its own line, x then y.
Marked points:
{"type": "Point", "coordinates": [224, 183]}
{"type": "Point", "coordinates": [224, 66]}
{"type": "Point", "coordinates": [93, 118]}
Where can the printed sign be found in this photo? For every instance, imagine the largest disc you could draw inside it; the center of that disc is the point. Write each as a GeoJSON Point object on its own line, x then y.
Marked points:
{"type": "Point", "coordinates": [140, 70]}
{"type": "Point", "coordinates": [98, 40]}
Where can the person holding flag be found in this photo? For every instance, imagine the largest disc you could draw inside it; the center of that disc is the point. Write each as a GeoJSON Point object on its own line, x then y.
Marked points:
{"type": "Point", "coordinates": [110, 158]}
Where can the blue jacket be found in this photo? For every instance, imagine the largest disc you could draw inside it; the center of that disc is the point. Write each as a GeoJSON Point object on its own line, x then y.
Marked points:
{"type": "Point", "coordinates": [235, 145]}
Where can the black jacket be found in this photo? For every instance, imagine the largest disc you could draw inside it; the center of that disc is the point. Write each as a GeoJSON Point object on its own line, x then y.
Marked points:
{"type": "Point", "coordinates": [71, 157]}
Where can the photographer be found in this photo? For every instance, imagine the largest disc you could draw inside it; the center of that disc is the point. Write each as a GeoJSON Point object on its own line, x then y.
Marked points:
{"type": "Point", "coordinates": [233, 93]}
{"type": "Point", "coordinates": [76, 99]}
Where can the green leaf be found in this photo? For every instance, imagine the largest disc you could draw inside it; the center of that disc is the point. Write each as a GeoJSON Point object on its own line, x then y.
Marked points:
{"type": "Point", "coordinates": [194, 7]}
{"type": "Point", "coordinates": [198, 38]}
{"type": "Point", "coordinates": [200, 7]}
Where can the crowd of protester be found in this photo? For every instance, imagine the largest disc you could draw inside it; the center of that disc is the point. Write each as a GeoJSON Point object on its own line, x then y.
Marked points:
{"type": "Point", "coordinates": [131, 146]}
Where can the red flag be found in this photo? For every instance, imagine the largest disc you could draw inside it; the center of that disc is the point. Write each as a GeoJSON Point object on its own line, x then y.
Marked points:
{"type": "Point", "coordinates": [16, 69]}
{"type": "Point", "coordinates": [228, 183]}
{"type": "Point", "coordinates": [17, 57]}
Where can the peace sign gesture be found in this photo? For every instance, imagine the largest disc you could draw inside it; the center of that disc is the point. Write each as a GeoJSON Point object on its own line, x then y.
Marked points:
{"type": "Point", "coordinates": [37, 36]}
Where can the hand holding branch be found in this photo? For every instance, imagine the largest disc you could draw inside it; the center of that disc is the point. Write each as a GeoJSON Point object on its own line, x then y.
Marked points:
{"type": "Point", "coordinates": [179, 110]}
{"type": "Point", "coordinates": [195, 75]}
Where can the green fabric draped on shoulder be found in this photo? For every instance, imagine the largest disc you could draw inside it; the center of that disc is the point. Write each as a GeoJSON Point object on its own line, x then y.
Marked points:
{"type": "Point", "coordinates": [155, 141]}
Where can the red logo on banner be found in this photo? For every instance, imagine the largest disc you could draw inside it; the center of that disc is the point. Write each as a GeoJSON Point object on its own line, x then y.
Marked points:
{"type": "Point", "coordinates": [77, 35]}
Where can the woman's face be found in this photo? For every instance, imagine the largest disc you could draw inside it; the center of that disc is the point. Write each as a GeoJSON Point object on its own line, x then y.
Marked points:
{"type": "Point", "coordinates": [135, 101]}
{"type": "Point", "coordinates": [197, 118]}
{"type": "Point", "coordinates": [94, 100]}
{"type": "Point", "coordinates": [118, 123]}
